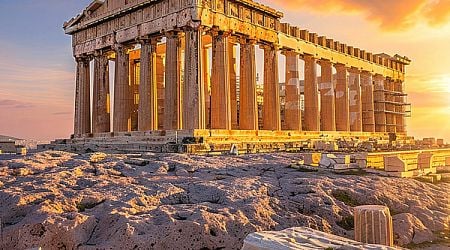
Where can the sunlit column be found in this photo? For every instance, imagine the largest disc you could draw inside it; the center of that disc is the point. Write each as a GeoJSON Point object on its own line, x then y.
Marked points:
{"type": "Point", "coordinates": [82, 124]}
{"type": "Point", "coordinates": [400, 109]}
{"type": "Point", "coordinates": [293, 112]}
{"type": "Point", "coordinates": [172, 97]}
{"type": "Point", "coordinates": [271, 95]}
{"type": "Point", "coordinates": [327, 101]}
{"type": "Point", "coordinates": [312, 121]}
{"type": "Point", "coordinates": [342, 102]}
{"type": "Point", "coordinates": [248, 113]}
{"type": "Point", "coordinates": [220, 83]}
{"type": "Point", "coordinates": [367, 99]}
{"type": "Point", "coordinates": [354, 96]}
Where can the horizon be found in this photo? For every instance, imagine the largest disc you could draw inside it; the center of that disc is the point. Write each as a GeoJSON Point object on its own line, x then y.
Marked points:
{"type": "Point", "coordinates": [37, 70]}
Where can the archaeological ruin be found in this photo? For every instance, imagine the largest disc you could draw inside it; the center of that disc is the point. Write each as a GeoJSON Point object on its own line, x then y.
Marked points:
{"type": "Point", "coordinates": [204, 75]}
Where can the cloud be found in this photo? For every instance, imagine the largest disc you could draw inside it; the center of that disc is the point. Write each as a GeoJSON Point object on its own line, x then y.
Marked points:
{"type": "Point", "coordinates": [62, 113]}
{"type": "Point", "coordinates": [8, 103]}
{"type": "Point", "coordinates": [390, 15]}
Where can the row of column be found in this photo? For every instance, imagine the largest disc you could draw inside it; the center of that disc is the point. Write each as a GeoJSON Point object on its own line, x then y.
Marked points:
{"type": "Point", "coordinates": [350, 100]}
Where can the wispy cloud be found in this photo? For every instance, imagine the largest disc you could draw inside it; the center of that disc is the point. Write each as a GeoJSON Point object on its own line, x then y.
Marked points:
{"type": "Point", "coordinates": [390, 15]}
{"type": "Point", "coordinates": [15, 104]}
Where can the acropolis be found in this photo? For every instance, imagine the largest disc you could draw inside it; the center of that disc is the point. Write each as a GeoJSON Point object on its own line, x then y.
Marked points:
{"type": "Point", "coordinates": [185, 73]}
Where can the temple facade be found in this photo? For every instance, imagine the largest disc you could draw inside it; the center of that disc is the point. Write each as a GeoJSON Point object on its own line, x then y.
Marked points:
{"type": "Point", "coordinates": [191, 66]}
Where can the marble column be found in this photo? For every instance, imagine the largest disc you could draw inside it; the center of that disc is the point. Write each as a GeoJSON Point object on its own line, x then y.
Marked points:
{"type": "Point", "coordinates": [292, 110]}
{"type": "Point", "coordinates": [233, 85]}
{"type": "Point", "coordinates": [271, 91]}
{"type": "Point", "coordinates": [148, 88]}
{"type": "Point", "coordinates": [312, 115]}
{"type": "Point", "coordinates": [354, 96]}
{"type": "Point", "coordinates": [82, 124]}
{"type": "Point", "coordinates": [327, 99]}
{"type": "Point", "coordinates": [248, 112]}
{"type": "Point", "coordinates": [173, 82]}
{"type": "Point", "coordinates": [367, 102]}
{"type": "Point", "coordinates": [220, 83]}
{"type": "Point", "coordinates": [123, 95]}
{"type": "Point", "coordinates": [380, 107]}
{"type": "Point", "coordinates": [342, 102]}
{"type": "Point", "coordinates": [206, 85]}
{"type": "Point", "coordinates": [101, 96]}
{"type": "Point", "coordinates": [400, 108]}
{"type": "Point", "coordinates": [193, 88]}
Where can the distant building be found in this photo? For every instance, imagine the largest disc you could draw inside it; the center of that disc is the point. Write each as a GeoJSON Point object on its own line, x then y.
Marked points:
{"type": "Point", "coordinates": [11, 145]}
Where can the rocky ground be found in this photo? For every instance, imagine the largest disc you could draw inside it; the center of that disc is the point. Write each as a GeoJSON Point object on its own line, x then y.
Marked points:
{"type": "Point", "coordinates": [59, 200]}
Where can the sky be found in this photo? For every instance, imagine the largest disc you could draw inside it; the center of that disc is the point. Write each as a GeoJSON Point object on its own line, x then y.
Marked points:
{"type": "Point", "coordinates": [37, 70]}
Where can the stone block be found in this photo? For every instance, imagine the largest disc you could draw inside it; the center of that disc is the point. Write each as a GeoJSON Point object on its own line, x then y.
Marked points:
{"type": "Point", "coordinates": [424, 160]}
{"type": "Point", "coordinates": [373, 225]}
{"type": "Point", "coordinates": [395, 164]}
{"type": "Point", "coordinates": [440, 142]}
{"type": "Point", "coordinates": [302, 238]}
{"type": "Point", "coordinates": [447, 161]}
{"type": "Point", "coordinates": [312, 158]}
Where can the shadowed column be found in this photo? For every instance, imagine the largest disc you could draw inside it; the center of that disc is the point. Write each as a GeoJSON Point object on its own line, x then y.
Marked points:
{"type": "Point", "coordinates": [342, 102]}
{"type": "Point", "coordinates": [220, 83]}
{"type": "Point", "coordinates": [248, 112]}
{"type": "Point", "coordinates": [82, 98]}
{"type": "Point", "coordinates": [327, 105]}
{"type": "Point", "coordinates": [123, 96]}
{"type": "Point", "coordinates": [354, 97]}
{"type": "Point", "coordinates": [148, 91]}
{"type": "Point", "coordinates": [193, 89]}
{"type": "Point", "coordinates": [293, 112]}
{"type": "Point", "coordinates": [379, 100]}
{"type": "Point", "coordinates": [312, 121]}
{"type": "Point", "coordinates": [271, 95]}
{"type": "Point", "coordinates": [100, 103]}
{"type": "Point", "coordinates": [172, 99]}
{"type": "Point", "coordinates": [367, 99]}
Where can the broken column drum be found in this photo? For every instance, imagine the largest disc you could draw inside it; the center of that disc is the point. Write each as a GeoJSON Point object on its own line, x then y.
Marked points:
{"type": "Point", "coordinates": [175, 68]}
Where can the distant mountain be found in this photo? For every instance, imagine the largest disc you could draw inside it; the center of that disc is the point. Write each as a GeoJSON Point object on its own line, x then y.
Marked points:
{"type": "Point", "coordinates": [8, 138]}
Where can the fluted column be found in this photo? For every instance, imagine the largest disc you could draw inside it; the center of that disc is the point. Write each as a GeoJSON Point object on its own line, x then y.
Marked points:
{"type": "Point", "coordinates": [82, 123]}
{"type": "Point", "coordinates": [101, 97]}
{"type": "Point", "coordinates": [148, 91]}
{"type": "Point", "coordinates": [373, 225]}
{"type": "Point", "coordinates": [271, 95]}
{"type": "Point", "coordinates": [355, 107]}
{"type": "Point", "coordinates": [327, 105]}
{"type": "Point", "coordinates": [367, 99]}
{"type": "Point", "coordinates": [193, 89]}
{"type": "Point", "coordinates": [248, 113]}
{"type": "Point", "coordinates": [123, 95]}
{"type": "Point", "coordinates": [380, 107]}
{"type": "Point", "coordinates": [292, 110]}
{"type": "Point", "coordinates": [206, 85]}
{"type": "Point", "coordinates": [312, 121]}
{"type": "Point", "coordinates": [172, 97]}
{"type": "Point", "coordinates": [220, 83]}
{"type": "Point", "coordinates": [342, 102]}
{"type": "Point", "coordinates": [233, 85]}
{"type": "Point", "coordinates": [400, 108]}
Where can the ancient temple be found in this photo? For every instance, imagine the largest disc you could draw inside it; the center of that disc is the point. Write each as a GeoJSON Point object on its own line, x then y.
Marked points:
{"type": "Point", "coordinates": [185, 70]}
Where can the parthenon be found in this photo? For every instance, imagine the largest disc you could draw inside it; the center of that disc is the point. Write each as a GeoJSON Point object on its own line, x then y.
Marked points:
{"type": "Point", "coordinates": [189, 67]}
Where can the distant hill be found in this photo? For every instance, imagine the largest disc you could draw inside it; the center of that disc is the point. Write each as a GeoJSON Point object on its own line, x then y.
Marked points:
{"type": "Point", "coordinates": [8, 138]}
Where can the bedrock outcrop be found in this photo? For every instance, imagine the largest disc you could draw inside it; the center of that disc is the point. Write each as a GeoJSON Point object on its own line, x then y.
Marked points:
{"type": "Point", "coordinates": [58, 200]}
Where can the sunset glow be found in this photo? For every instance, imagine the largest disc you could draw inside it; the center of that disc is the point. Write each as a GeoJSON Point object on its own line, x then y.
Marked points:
{"type": "Point", "coordinates": [37, 69]}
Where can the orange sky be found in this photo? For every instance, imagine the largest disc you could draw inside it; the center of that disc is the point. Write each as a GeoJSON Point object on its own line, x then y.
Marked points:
{"type": "Point", "coordinates": [37, 72]}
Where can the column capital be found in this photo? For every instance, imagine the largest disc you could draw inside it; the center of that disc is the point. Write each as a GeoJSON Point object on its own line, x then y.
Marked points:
{"type": "Point", "coordinates": [289, 52]}
{"type": "Point", "coordinates": [271, 46]}
{"type": "Point", "coordinates": [216, 32]}
{"type": "Point", "coordinates": [325, 62]}
{"type": "Point", "coordinates": [340, 66]}
{"type": "Point", "coordinates": [246, 40]}
{"type": "Point", "coordinates": [354, 70]}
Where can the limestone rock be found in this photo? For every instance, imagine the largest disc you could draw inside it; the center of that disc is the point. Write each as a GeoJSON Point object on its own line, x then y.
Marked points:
{"type": "Point", "coordinates": [409, 229]}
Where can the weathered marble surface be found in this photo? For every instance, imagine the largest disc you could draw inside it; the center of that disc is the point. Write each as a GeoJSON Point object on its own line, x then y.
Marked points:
{"type": "Point", "coordinates": [56, 200]}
